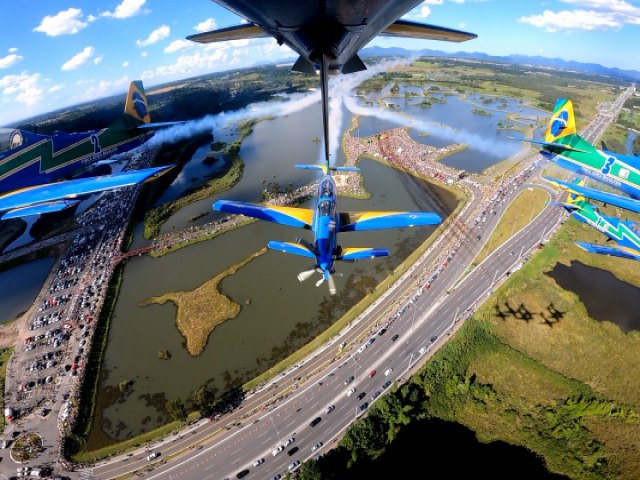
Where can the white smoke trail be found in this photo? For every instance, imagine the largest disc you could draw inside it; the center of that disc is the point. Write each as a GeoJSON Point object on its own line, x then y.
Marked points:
{"type": "Point", "coordinates": [473, 140]}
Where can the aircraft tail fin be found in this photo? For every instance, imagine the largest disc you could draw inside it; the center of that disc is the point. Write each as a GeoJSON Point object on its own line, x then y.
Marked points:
{"type": "Point", "coordinates": [562, 122]}
{"type": "Point", "coordinates": [136, 108]}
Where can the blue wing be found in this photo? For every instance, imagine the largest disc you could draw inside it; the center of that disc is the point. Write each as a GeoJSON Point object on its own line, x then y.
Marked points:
{"type": "Point", "coordinates": [354, 253]}
{"type": "Point", "coordinates": [50, 197]}
{"type": "Point", "coordinates": [621, 252]}
{"type": "Point", "coordinates": [351, 222]}
{"type": "Point", "coordinates": [595, 194]}
{"type": "Point", "coordinates": [291, 247]}
{"type": "Point", "coordinates": [290, 216]}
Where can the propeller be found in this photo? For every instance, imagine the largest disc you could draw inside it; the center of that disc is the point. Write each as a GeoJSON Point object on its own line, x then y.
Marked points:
{"type": "Point", "coordinates": [307, 274]}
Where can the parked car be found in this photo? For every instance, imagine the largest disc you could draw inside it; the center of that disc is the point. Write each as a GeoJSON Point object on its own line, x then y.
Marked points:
{"type": "Point", "coordinates": [351, 392]}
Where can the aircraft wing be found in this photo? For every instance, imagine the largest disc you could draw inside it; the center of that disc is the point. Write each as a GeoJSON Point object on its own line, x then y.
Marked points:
{"type": "Point", "coordinates": [551, 146]}
{"type": "Point", "coordinates": [352, 222]}
{"type": "Point", "coordinates": [290, 216]}
{"type": "Point", "coordinates": [237, 32]}
{"type": "Point", "coordinates": [423, 31]}
{"type": "Point", "coordinates": [621, 252]}
{"type": "Point", "coordinates": [355, 253]}
{"type": "Point", "coordinates": [291, 247]}
{"type": "Point", "coordinates": [595, 194]}
{"type": "Point", "coordinates": [51, 196]}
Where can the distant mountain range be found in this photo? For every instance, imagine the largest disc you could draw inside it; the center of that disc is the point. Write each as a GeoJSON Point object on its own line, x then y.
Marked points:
{"type": "Point", "coordinates": [629, 75]}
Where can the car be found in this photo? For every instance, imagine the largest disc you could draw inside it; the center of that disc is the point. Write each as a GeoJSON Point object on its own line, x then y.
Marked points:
{"type": "Point", "coordinates": [422, 350]}
{"type": "Point", "coordinates": [349, 380]}
{"type": "Point", "coordinates": [5, 443]}
{"type": "Point", "coordinates": [388, 371]}
{"type": "Point", "coordinates": [242, 473]}
{"type": "Point", "coordinates": [362, 407]}
{"type": "Point", "coordinates": [330, 408]}
{"type": "Point", "coordinates": [382, 331]}
{"type": "Point", "coordinates": [259, 461]}
{"type": "Point", "coordinates": [351, 392]}
{"type": "Point", "coordinates": [153, 455]}
{"type": "Point", "coordinates": [395, 337]}
{"type": "Point", "coordinates": [434, 338]}
{"type": "Point", "coordinates": [372, 373]}
{"type": "Point", "coordinates": [361, 395]}
{"type": "Point", "coordinates": [386, 384]}
{"type": "Point", "coordinates": [317, 446]}
{"type": "Point", "coordinates": [370, 341]}
{"type": "Point", "coordinates": [315, 421]}
{"type": "Point", "coordinates": [375, 395]}
{"type": "Point", "coordinates": [289, 441]}
{"type": "Point", "coordinates": [293, 466]}
{"type": "Point", "coordinates": [362, 348]}
{"type": "Point", "coordinates": [277, 476]}
{"type": "Point", "coordinates": [292, 451]}
{"type": "Point", "coordinates": [277, 450]}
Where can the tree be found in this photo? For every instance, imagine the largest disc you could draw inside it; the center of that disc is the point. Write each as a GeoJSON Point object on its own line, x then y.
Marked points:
{"type": "Point", "coordinates": [310, 470]}
{"type": "Point", "coordinates": [202, 399]}
{"type": "Point", "coordinates": [176, 410]}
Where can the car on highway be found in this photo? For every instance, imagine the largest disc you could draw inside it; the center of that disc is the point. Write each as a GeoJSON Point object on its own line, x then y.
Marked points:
{"type": "Point", "coordinates": [349, 380]}
{"type": "Point", "coordinates": [386, 384]}
{"type": "Point", "coordinates": [153, 455]}
{"type": "Point", "coordinates": [388, 371]}
{"type": "Point", "coordinates": [422, 350]}
{"type": "Point", "coordinates": [361, 395]}
{"type": "Point", "coordinates": [362, 407]}
{"type": "Point", "coordinates": [289, 441]}
{"type": "Point", "coordinates": [277, 476]}
{"type": "Point", "coordinates": [293, 466]}
{"type": "Point", "coordinates": [258, 461]}
{"type": "Point", "coordinates": [395, 337]}
{"type": "Point", "coordinates": [315, 421]}
{"type": "Point", "coordinates": [317, 446]}
{"type": "Point", "coordinates": [434, 338]}
{"type": "Point", "coordinates": [372, 373]}
{"type": "Point", "coordinates": [277, 450]}
{"type": "Point", "coordinates": [292, 451]}
{"type": "Point", "coordinates": [382, 331]}
{"type": "Point", "coordinates": [351, 392]}
{"type": "Point", "coordinates": [370, 341]}
{"type": "Point", "coordinates": [242, 473]}
{"type": "Point", "coordinates": [330, 408]}
{"type": "Point", "coordinates": [375, 395]}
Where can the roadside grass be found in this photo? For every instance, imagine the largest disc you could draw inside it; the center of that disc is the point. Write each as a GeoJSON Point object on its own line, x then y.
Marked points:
{"type": "Point", "coordinates": [5, 355]}
{"type": "Point", "coordinates": [521, 211]}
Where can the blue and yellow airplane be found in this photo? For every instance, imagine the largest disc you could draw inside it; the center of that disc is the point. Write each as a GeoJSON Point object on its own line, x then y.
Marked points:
{"type": "Point", "coordinates": [37, 171]}
{"type": "Point", "coordinates": [562, 145]}
{"type": "Point", "coordinates": [621, 232]}
{"type": "Point", "coordinates": [326, 222]}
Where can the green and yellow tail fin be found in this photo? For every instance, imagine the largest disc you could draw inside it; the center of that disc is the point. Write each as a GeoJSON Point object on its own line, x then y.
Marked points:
{"type": "Point", "coordinates": [562, 123]}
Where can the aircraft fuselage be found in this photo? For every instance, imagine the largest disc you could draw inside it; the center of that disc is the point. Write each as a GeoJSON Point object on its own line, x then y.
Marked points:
{"type": "Point", "coordinates": [326, 224]}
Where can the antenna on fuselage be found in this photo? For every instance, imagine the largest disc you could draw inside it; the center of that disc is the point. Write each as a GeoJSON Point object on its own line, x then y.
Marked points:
{"type": "Point", "coordinates": [324, 92]}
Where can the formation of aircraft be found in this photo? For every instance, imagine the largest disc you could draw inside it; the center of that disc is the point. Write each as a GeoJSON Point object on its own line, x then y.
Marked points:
{"type": "Point", "coordinates": [326, 222]}
{"type": "Point", "coordinates": [563, 146]}
{"type": "Point", "coordinates": [624, 233]}
{"type": "Point", "coordinates": [37, 171]}
{"type": "Point", "coordinates": [326, 34]}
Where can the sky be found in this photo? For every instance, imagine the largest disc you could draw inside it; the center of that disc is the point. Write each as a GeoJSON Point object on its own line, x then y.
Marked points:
{"type": "Point", "coordinates": [59, 53]}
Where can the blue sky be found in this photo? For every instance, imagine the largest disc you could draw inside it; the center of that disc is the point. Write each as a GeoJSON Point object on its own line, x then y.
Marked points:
{"type": "Point", "coordinates": [58, 53]}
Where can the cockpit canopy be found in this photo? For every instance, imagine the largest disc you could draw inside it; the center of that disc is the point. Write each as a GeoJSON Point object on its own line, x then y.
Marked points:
{"type": "Point", "coordinates": [10, 138]}
{"type": "Point", "coordinates": [327, 188]}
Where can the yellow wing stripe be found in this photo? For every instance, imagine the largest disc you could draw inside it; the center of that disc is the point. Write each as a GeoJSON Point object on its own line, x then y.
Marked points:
{"type": "Point", "coordinates": [302, 214]}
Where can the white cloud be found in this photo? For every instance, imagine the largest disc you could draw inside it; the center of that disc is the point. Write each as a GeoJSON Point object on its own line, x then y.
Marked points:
{"type": "Point", "coordinates": [66, 22]}
{"type": "Point", "coordinates": [572, 20]}
{"type": "Point", "coordinates": [55, 88]}
{"type": "Point", "coordinates": [105, 87]}
{"type": "Point", "coordinates": [155, 36]}
{"type": "Point", "coordinates": [9, 60]}
{"type": "Point", "coordinates": [13, 50]}
{"type": "Point", "coordinates": [24, 88]}
{"type": "Point", "coordinates": [206, 26]}
{"type": "Point", "coordinates": [125, 64]}
{"type": "Point", "coordinates": [98, 60]}
{"type": "Point", "coordinates": [128, 8]}
{"type": "Point", "coordinates": [79, 59]}
{"type": "Point", "coordinates": [178, 45]}
{"type": "Point", "coordinates": [592, 15]}
{"type": "Point", "coordinates": [91, 18]}
{"type": "Point", "coordinates": [144, 54]}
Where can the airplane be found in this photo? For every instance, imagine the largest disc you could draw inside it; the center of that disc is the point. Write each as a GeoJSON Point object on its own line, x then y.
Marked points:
{"type": "Point", "coordinates": [624, 233]}
{"type": "Point", "coordinates": [326, 222]}
{"type": "Point", "coordinates": [37, 171]}
{"type": "Point", "coordinates": [563, 146]}
{"type": "Point", "coordinates": [327, 34]}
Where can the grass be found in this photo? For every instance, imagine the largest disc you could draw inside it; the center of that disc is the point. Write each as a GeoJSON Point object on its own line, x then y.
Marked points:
{"type": "Point", "coordinates": [201, 310]}
{"type": "Point", "coordinates": [5, 355]}
{"type": "Point", "coordinates": [521, 211]}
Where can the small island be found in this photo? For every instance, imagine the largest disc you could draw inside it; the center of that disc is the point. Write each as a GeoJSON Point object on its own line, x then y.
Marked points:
{"type": "Point", "coordinates": [201, 310]}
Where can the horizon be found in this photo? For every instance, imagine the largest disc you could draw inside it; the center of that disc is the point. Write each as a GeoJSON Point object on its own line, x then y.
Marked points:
{"type": "Point", "coordinates": [85, 61]}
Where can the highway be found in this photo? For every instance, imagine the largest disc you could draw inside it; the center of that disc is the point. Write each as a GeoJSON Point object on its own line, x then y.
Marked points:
{"type": "Point", "coordinates": [422, 319]}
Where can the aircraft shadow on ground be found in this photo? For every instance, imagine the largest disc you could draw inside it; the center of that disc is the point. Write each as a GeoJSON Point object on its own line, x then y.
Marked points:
{"type": "Point", "coordinates": [550, 316]}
